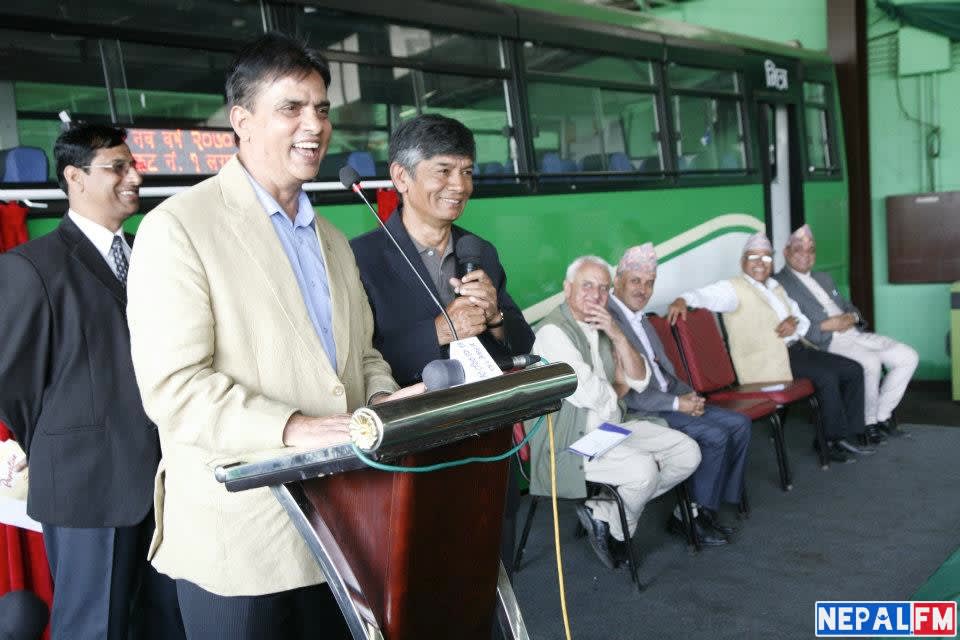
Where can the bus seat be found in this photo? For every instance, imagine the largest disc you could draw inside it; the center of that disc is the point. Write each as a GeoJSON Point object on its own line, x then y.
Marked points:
{"type": "Point", "coordinates": [552, 163]}
{"type": "Point", "coordinates": [362, 161]}
{"type": "Point", "coordinates": [620, 162]}
{"type": "Point", "coordinates": [730, 161]}
{"type": "Point", "coordinates": [593, 162]}
{"type": "Point", "coordinates": [24, 164]}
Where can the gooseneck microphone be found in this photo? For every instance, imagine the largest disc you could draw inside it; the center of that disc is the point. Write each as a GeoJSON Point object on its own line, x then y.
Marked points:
{"type": "Point", "coordinates": [350, 179]}
{"type": "Point", "coordinates": [443, 374]}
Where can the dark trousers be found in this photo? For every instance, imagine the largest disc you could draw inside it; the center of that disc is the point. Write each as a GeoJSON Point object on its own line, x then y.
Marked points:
{"type": "Point", "coordinates": [839, 385]}
{"type": "Point", "coordinates": [309, 612]}
{"type": "Point", "coordinates": [105, 589]}
{"type": "Point", "coordinates": [724, 437]}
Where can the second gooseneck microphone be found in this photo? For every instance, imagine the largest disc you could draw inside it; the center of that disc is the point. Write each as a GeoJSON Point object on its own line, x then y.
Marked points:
{"type": "Point", "coordinates": [351, 180]}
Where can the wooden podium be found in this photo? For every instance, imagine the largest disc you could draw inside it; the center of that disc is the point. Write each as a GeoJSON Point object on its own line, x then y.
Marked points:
{"type": "Point", "coordinates": [416, 555]}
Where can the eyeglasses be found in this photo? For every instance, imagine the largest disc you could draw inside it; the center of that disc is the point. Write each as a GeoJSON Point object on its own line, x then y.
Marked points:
{"type": "Point", "coordinates": [761, 258]}
{"type": "Point", "coordinates": [119, 167]}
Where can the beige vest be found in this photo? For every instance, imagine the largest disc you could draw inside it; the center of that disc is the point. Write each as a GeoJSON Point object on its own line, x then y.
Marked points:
{"type": "Point", "coordinates": [758, 353]}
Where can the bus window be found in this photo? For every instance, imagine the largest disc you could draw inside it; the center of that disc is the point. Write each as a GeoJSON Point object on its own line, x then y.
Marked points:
{"type": "Point", "coordinates": [366, 102]}
{"type": "Point", "coordinates": [708, 119]}
{"type": "Point", "coordinates": [817, 125]}
{"type": "Point", "coordinates": [369, 99]}
{"type": "Point", "coordinates": [583, 125]}
{"type": "Point", "coordinates": [332, 30]}
{"type": "Point", "coordinates": [708, 134]}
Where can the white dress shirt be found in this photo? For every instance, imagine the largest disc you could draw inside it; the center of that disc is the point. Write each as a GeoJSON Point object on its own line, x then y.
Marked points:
{"type": "Point", "coordinates": [101, 237]}
{"type": "Point", "coordinates": [721, 297]}
{"type": "Point", "coordinates": [594, 392]}
{"type": "Point", "coordinates": [636, 320]}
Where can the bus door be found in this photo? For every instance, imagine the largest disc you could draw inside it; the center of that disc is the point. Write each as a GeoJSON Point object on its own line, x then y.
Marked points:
{"type": "Point", "coordinates": [782, 178]}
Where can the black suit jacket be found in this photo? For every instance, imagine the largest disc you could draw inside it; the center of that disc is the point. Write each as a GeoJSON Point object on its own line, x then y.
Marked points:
{"type": "Point", "coordinates": [67, 388]}
{"type": "Point", "coordinates": [403, 312]}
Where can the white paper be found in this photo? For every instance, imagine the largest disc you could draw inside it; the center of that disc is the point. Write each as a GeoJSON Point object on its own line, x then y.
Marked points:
{"type": "Point", "coordinates": [14, 512]}
{"type": "Point", "coordinates": [477, 363]}
{"type": "Point", "coordinates": [600, 440]}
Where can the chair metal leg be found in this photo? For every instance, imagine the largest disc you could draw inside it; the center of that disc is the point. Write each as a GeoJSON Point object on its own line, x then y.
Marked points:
{"type": "Point", "coordinates": [783, 465]}
{"type": "Point", "coordinates": [686, 515]}
{"type": "Point", "coordinates": [526, 533]}
{"type": "Point", "coordinates": [743, 509]}
{"type": "Point", "coordinates": [627, 539]}
{"type": "Point", "coordinates": [819, 431]}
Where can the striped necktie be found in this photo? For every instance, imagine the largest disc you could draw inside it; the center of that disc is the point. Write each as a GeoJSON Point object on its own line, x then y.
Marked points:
{"type": "Point", "coordinates": [119, 259]}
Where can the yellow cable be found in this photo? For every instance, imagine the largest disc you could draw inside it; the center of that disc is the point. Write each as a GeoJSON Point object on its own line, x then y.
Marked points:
{"type": "Point", "coordinates": [556, 527]}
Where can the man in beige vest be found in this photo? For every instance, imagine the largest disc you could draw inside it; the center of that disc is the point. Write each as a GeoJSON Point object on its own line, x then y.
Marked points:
{"type": "Point", "coordinates": [250, 332]}
{"type": "Point", "coordinates": [649, 462]}
{"type": "Point", "coordinates": [765, 329]}
{"type": "Point", "coordinates": [836, 326]}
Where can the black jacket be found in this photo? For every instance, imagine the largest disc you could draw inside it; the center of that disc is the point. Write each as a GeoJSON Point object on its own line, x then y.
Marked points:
{"type": "Point", "coordinates": [404, 314]}
{"type": "Point", "coordinates": [67, 388]}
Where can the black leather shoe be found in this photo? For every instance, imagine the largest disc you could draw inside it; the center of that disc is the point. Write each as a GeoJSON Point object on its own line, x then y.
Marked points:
{"type": "Point", "coordinates": [892, 429]}
{"type": "Point", "coordinates": [599, 534]}
{"type": "Point", "coordinates": [873, 435]}
{"type": "Point", "coordinates": [710, 521]}
{"type": "Point", "coordinates": [855, 450]}
{"type": "Point", "coordinates": [707, 536]}
{"type": "Point", "coordinates": [835, 453]}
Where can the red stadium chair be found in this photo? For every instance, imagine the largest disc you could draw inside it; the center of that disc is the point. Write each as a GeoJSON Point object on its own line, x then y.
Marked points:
{"type": "Point", "coordinates": [711, 373]}
{"type": "Point", "coordinates": [758, 408]}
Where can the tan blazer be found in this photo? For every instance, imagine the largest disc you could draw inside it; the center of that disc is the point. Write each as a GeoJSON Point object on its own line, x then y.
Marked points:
{"type": "Point", "coordinates": [758, 353]}
{"type": "Point", "coordinates": [224, 352]}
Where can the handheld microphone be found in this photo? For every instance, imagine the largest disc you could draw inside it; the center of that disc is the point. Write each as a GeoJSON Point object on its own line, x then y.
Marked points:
{"type": "Point", "coordinates": [468, 250]}
{"type": "Point", "coordinates": [350, 179]}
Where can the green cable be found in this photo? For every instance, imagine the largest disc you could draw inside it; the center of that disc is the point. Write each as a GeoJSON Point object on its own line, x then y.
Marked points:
{"type": "Point", "coordinates": [452, 463]}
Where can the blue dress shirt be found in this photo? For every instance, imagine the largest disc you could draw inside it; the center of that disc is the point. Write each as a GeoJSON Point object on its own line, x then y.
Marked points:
{"type": "Point", "coordinates": [302, 246]}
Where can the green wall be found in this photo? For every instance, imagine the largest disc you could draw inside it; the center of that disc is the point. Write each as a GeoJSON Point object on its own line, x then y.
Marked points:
{"type": "Point", "coordinates": [917, 314]}
{"type": "Point", "coordinates": [777, 20]}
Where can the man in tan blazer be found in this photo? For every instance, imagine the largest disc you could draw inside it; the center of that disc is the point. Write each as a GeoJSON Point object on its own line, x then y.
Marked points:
{"type": "Point", "coordinates": [250, 331]}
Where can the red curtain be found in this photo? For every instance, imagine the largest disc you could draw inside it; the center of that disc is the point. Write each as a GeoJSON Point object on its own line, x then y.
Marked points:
{"type": "Point", "coordinates": [13, 225]}
{"type": "Point", "coordinates": [23, 560]}
{"type": "Point", "coordinates": [387, 202]}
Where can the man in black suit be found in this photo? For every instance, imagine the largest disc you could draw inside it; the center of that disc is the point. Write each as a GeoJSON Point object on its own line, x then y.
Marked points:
{"type": "Point", "coordinates": [723, 435]}
{"type": "Point", "coordinates": [71, 400]}
{"type": "Point", "coordinates": [431, 164]}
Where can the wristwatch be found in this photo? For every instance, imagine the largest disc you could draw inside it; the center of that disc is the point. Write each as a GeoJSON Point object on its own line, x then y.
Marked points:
{"type": "Point", "coordinates": [497, 322]}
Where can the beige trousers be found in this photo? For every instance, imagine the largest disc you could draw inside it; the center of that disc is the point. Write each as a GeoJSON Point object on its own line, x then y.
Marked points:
{"type": "Point", "coordinates": [651, 461]}
{"type": "Point", "coordinates": [874, 352]}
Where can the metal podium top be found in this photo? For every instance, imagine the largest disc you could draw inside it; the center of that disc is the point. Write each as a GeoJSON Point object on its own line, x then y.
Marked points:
{"type": "Point", "coordinates": [421, 422]}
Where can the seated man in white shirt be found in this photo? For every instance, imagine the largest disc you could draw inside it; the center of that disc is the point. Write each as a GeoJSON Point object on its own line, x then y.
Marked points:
{"type": "Point", "coordinates": [723, 435]}
{"type": "Point", "coordinates": [835, 328]}
{"type": "Point", "coordinates": [765, 329]}
{"type": "Point", "coordinates": [651, 461]}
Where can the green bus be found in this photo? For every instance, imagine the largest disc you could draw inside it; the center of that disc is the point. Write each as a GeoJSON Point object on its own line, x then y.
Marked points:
{"type": "Point", "coordinates": [597, 128]}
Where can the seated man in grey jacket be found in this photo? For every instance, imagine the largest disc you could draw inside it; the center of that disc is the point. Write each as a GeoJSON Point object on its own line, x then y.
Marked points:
{"type": "Point", "coordinates": [723, 435]}
{"type": "Point", "coordinates": [836, 326]}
